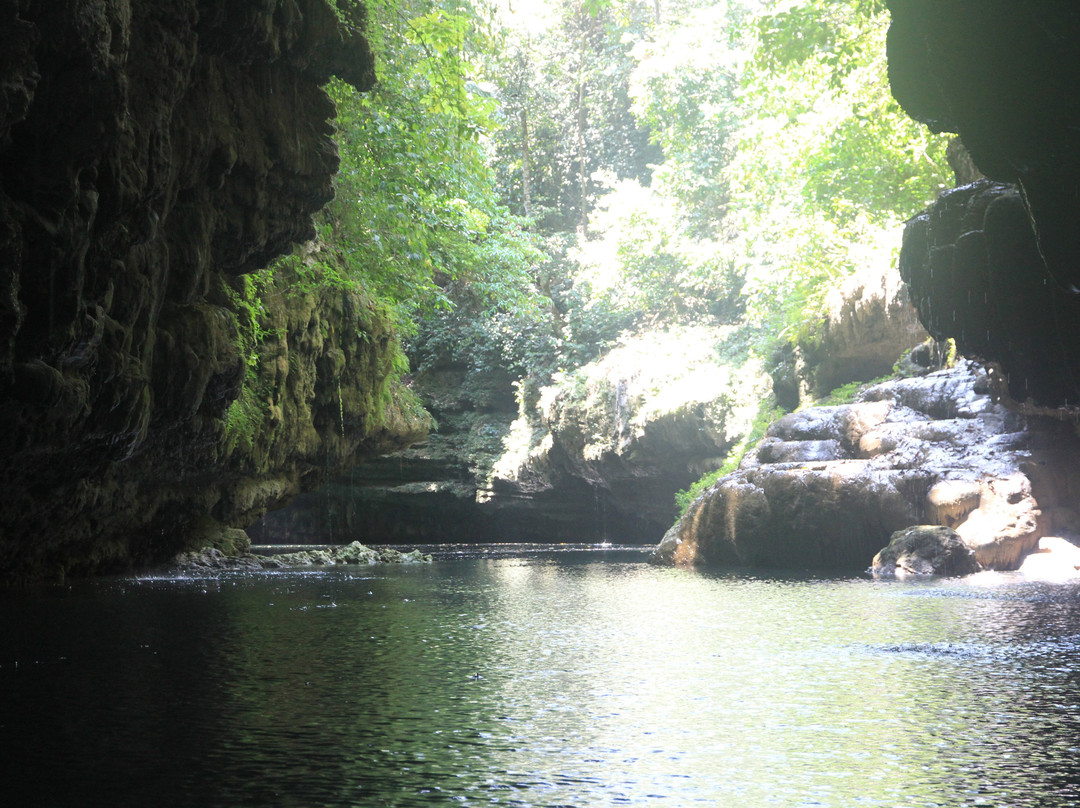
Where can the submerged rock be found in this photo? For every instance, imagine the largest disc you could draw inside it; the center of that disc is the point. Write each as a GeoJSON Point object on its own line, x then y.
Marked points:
{"type": "Point", "coordinates": [925, 550]}
{"type": "Point", "coordinates": [354, 553]}
{"type": "Point", "coordinates": [829, 486]}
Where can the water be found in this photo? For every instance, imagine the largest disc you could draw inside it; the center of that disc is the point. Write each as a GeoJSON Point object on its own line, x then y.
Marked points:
{"type": "Point", "coordinates": [543, 679]}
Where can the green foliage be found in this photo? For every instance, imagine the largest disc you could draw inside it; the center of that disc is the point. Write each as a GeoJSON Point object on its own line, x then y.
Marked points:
{"type": "Point", "coordinates": [523, 199]}
{"type": "Point", "coordinates": [767, 414]}
{"type": "Point", "coordinates": [827, 166]}
{"type": "Point", "coordinates": [846, 393]}
{"type": "Point", "coordinates": [416, 209]}
{"type": "Point", "coordinates": [246, 417]}
{"type": "Point", "coordinates": [565, 109]}
{"type": "Point", "coordinates": [246, 414]}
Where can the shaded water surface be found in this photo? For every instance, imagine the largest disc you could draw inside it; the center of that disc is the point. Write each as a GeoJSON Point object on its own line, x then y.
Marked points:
{"type": "Point", "coordinates": [541, 679]}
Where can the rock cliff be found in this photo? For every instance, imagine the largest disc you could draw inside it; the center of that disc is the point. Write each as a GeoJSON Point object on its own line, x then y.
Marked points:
{"type": "Point", "coordinates": [995, 266]}
{"type": "Point", "coordinates": [867, 322]}
{"type": "Point", "coordinates": [598, 454]}
{"type": "Point", "coordinates": [150, 155]}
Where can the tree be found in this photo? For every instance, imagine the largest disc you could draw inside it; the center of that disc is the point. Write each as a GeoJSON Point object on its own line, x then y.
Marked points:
{"type": "Point", "coordinates": [416, 209]}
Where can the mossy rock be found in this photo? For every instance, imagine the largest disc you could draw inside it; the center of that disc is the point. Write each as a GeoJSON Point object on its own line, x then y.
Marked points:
{"type": "Point", "coordinates": [925, 550]}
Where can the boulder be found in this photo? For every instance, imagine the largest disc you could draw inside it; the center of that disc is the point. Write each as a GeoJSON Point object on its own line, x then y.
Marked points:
{"type": "Point", "coordinates": [925, 550]}
{"type": "Point", "coordinates": [1006, 524]}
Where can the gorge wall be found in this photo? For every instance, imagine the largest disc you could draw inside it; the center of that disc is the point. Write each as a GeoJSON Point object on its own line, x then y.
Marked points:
{"type": "Point", "coordinates": [596, 455]}
{"type": "Point", "coordinates": [599, 453]}
{"type": "Point", "coordinates": [996, 264]}
{"type": "Point", "coordinates": [150, 155]}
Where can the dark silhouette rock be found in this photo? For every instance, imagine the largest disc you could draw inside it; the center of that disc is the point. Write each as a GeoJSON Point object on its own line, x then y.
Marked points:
{"type": "Point", "coordinates": [150, 154]}
{"type": "Point", "coordinates": [998, 266]}
{"type": "Point", "coordinates": [925, 550]}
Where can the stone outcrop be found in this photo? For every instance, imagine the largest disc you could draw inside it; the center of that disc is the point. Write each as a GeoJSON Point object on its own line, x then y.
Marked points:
{"type": "Point", "coordinates": [975, 273]}
{"type": "Point", "coordinates": [597, 455]}
{"type": "Point", "coordinates": [320, 392]}
{"type": "Point", "coordinates": [354, 553]}
{"type": "Point", "coordinates": [925, 550]}
{"type": "Point", "coordinates": [426, 492]}
{"type": "Point", "coordinates": [868, 321]}
{"type": "Point", "coordinates": [998, 266]}
{"type": "Point", "coordinates": [150, 155]}
{"type": "Point", "coordinates": [830, 485]}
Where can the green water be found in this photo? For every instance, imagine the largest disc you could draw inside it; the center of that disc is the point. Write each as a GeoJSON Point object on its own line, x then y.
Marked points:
{"type": "Point", "coordinates": [543, 679]}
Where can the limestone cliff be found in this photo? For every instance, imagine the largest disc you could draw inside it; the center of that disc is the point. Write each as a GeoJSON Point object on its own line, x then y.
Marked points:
{"type": "Point", "coordinates": [150, 154]}
{"type": "Point", "coordinates": [600, 452]}
{"type": "Point", "coordinates": [597, 454]}
{"type": "Point", "coordinates": [829, 485]}
{"type": "Point", "coordinates": [866, 323]}
{"type": "Point", "coordinates": [995, 266]}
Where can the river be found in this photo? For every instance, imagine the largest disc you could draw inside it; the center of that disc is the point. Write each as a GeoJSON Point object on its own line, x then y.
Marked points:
{"type": "Point", "coordinates": [541, 677]}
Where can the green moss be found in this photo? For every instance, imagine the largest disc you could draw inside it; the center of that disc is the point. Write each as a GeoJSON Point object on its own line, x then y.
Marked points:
{"type": "Point", "coordinates": [247, 413]}
{"type": "Point", "coordinates": [768, 413]}
{"type": "Point", "coordinates": [845, 393]}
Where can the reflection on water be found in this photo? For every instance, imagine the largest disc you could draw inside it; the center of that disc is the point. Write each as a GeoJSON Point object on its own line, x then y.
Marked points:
{"type": "Point", "coordinates": [536, 679]}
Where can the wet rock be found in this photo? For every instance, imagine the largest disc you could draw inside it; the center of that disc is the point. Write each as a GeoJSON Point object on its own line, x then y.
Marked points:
{"type": "Point", "coordinates": [925, 550]}
{"type": "Point", "coordinates": [773, 450]}
{"type": "Point", "coordinates": [934, 449]}
{"type": "Point", "coordinates": [354, 553]}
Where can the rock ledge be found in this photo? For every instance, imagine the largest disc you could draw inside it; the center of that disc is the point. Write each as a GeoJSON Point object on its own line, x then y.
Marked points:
{"type": "Point", "coordinates": [354, 553]}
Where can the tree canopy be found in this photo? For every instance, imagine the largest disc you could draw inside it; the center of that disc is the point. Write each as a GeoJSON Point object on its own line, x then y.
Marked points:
{"type": "Point", "coordinates": [530, 181]}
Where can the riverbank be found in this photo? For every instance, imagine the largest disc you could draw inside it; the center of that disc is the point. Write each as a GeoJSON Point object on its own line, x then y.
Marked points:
{"type": "Point", "coordinates": [354, 553]}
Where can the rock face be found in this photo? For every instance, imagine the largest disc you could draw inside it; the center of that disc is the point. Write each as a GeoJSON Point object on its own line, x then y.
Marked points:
{"type": "Point", "coordinates": [976, 274]}
{"type": "Point", "coordinates": [830, 485]}
{"type": "Point", "coordinates": [925, 550]}
{"type": "Point", "coordinates": [150, 154]}
{"type": "Point", "coordinates": [598, 455]}
{"type": "Point", "coordinates": [426, 492]}
{"type": "Point", "coordinates": [353, 553]}
{"type": "Point", "coordinates": [998, 267]}
{"type": "Point", "coordinates": [868, 322]}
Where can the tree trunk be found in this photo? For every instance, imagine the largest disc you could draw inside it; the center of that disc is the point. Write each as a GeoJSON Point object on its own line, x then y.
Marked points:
{"type": "Point", "coordinates": [583, 180]}
{"type": "Point", "coordinates": [526, 160]}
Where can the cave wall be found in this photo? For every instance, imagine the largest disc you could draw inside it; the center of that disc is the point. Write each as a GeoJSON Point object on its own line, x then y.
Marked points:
{"type": "Point", "coordinates": [151, 153]}
{"type": "Point", "coordinates": [997, 264]}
